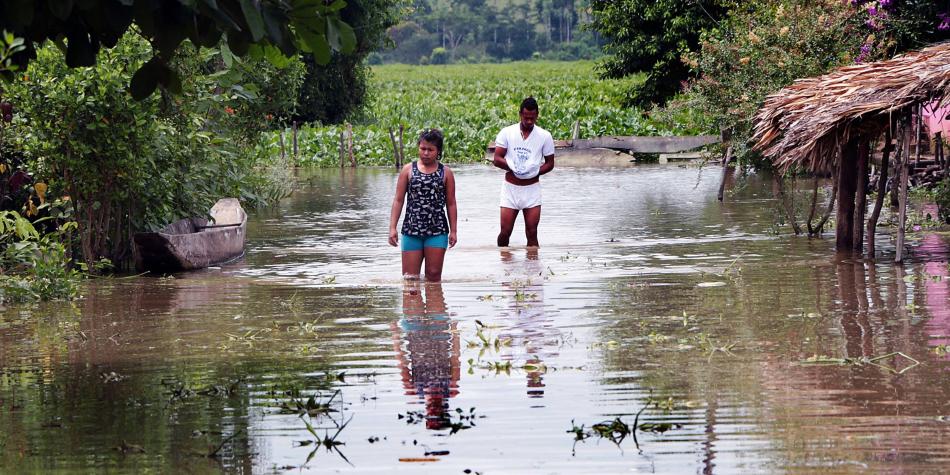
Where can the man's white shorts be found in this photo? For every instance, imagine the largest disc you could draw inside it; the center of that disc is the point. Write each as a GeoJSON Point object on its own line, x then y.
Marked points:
{"type": "Point", "coordinates": [520, 197]}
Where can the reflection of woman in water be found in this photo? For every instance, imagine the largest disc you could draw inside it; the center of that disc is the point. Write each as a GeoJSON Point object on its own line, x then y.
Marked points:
{"type": "Point", "coordinates": [427, 347]}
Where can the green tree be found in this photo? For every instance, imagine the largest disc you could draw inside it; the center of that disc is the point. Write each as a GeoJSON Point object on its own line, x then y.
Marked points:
{"type": "Point", "coordinates": [764, 47]}
{"type": "Point", "coordinates": [279, 27]}
{"type": "Point", "coordinates": [652, 36]}
{"type": "Point", "coordinates": [333, 91]}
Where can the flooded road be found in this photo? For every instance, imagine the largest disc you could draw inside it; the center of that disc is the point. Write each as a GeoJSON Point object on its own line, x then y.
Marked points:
{"type": "Point", "coordinates": [655, 331]}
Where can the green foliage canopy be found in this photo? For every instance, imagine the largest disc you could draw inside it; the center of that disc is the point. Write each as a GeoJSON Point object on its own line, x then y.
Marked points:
{"type": "Point", "coordinates": [652, 36]}
{"type": "Point", "coordinates": [82, 28]}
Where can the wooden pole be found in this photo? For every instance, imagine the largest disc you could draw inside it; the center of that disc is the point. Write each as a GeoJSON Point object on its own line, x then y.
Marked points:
{"type": "Point", "coordinates": [294, 124]}
{"type": "Point", "coordinates": [349, 144]}
{"type": "Point", "coordinates": [576, 130]}
{"type": "Point", "coordinates": [917, 135]}
{"type": "Point", "coordinates": [861, 196]}
{"type": "Point", "coordinates": [726, 136]}
{"type": "Point", "coordinates": [402, 145]}
{"type": "Point", "coordinates": [881, 191]}
{"type": "Point", "coordinates": [847, 185]}
{"type": "Point", "coordinates": [280, 138]}
{"type": "Point", "coordinates": [392, 138]}
{"type": "Point", "coordinates": [342, 154]}
{"type": "Point", "coordinates": [902, 207]}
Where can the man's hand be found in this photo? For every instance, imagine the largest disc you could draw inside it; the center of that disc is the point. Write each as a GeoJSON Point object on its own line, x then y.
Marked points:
{"type": "Point", "coordinates": [453, 238]}
{"type": "Point", "coordinates": [393, 237]}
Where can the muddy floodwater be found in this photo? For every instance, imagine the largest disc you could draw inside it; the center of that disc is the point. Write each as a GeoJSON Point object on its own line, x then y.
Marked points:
{"type": "Point", "coordinates": [655, 331]}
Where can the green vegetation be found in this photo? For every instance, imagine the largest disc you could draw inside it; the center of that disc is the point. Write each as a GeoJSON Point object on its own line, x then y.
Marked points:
{"type": "Point", "coordinates": [478, 31]}
{"type": "Point", "coordinates": [261, 29]}
{"type": "Point", "coordinates": [472, 108]}
{"type": "Point", "coordinates": [137, 165]}
{"type": "Point", "coordinates": [943, 200]}
{"type": "Point", "coordinates": [651, 37]}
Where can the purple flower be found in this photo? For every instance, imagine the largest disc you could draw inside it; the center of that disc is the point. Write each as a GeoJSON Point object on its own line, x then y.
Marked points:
{"type": "Point", "coordinates": [944, 22]}
{"type": "Point", "coordinates": [884, 3]}
{"type": "Point", "coordinates": [872, 11]}
{"type": "Point", "coordinates": [916, 227]}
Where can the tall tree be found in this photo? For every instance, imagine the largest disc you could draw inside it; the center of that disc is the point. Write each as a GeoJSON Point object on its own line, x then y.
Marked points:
{"type": "Point", "coordinates": [652, 36]}
{"type": "Point", "coordinates": [333, 91]}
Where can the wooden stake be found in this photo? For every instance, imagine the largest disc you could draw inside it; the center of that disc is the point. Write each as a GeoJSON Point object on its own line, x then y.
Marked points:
{"type": "Point", "coordinates": [576, 130]}
{"type": "Point", "coordinates": [726, 136]}
{"type": "Point", "coordinates": [342, 149]}
{"type": "Point", "coordinates": [881, 191]}
{"type": "Point", "coordinates": [861, 195]}
{"type": "Point", "coordinates": [902, 207]}
{"type": "Point", "coordinates": [349, 144]}
{"type": "Point", "coordinates": [396, 157]}
{"type": "Point", "coordinates": [294, 125]}
{"type": "Point", "coordinates": [402, 146]}
{"type": "Point", "coordinates": [280, 138]}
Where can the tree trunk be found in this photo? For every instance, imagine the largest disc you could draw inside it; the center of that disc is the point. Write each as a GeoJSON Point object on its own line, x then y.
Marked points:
{"type": "Point", "coordinates": [847, 184]}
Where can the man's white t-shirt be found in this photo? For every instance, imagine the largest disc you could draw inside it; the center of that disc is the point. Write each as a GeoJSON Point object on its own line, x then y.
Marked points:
{"type": "Point", "coordinates": [525, 156]}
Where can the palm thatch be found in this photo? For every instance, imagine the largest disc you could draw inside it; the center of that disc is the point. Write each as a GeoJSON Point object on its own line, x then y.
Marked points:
{"type": "Point", "coordinates": [803, 124]}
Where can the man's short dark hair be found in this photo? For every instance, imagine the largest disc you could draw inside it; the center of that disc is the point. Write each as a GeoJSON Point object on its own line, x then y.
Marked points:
{"type": "Point", "coordinates": [528, 104]}
{"type": "Point", "coordinates": [433, 136]}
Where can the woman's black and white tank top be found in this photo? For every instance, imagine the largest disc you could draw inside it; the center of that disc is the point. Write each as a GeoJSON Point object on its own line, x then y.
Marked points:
{"type": "Point", "coordinates": [425, 208]}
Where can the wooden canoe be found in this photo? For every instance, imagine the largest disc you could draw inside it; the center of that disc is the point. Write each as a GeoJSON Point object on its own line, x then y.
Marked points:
{"type": "Point", "coordinates": [194, 243]}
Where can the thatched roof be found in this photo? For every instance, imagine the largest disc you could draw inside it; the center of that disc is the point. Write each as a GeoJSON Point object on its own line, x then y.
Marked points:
{"type": "Point", "coordinates": [804, 123]}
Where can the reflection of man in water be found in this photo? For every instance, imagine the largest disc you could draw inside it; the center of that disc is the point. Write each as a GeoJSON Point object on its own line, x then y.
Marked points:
{"type": "Point", "coordinates": [530, 326]}
{"type": "Point", "coordinates": [427, 348]}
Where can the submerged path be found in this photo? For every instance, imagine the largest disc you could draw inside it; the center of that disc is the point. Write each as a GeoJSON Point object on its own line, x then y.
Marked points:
{"type": "Point", "coordinates": [742, 350]}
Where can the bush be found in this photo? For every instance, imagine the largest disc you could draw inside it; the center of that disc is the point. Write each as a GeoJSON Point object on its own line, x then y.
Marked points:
{"type": "Point", "coordinates": [763, 48]}
{"type": "Point", "coordinates": [439, 56]}
{"type": "Point", "coordinates": [942, 198]}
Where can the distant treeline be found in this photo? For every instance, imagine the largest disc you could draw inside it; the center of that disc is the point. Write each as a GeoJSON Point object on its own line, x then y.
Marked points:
{"type": "Point", "coordinates": [469, 31]}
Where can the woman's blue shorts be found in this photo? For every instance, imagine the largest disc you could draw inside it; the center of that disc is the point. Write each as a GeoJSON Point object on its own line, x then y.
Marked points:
{"type": "Point", "coordinates": [416, 243]}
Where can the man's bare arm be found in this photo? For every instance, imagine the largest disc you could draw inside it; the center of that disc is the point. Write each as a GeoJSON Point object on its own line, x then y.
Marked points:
{"type": "Point", "coordinates": [499, 159]}
{"type": "Point", "coordinates": [547, 166]}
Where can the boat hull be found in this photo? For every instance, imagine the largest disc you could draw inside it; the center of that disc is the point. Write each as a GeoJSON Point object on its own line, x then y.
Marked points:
{"type": "Point", "coordinates": [188, 244]}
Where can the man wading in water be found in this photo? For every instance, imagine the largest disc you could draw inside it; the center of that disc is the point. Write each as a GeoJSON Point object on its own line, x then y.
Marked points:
{"type": "Point", "coordinates": [526, 152]}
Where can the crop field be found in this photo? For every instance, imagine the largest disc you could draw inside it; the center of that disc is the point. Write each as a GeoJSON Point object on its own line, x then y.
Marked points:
{"type": "Point", "coordinates": [471, 103]}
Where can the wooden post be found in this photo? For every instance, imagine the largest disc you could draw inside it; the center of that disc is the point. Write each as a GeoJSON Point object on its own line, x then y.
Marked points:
{"type": "Point", "coordinates": [861, 196]}
{"type": "Point", "coordinates": [902, 207]}
{"type": "Point", "coordinates": [402, 145]}
{"type": "Point", "coordinates": [881, 191]}
{"type": "Point", "coordinates": [349, 144]}
{"type": "Point", "coordinates": [397, 158]}
{"type": "Point", "coordinates": [847, 185]}
{"type": "Point", "coordinates": [726, 136]}
{"type": "Point", "coordinates": [294, 124]}
{"type": "Point", "coordinates": [342, 149]}
{"type": "Point", "coordinates": [576, 130]}
{"type": "Point", "coordinates": [280, 139]}
{"type": "Point", "coordinates": [917, 134]}
{"type": "Point", "coordinates": [938, 151]}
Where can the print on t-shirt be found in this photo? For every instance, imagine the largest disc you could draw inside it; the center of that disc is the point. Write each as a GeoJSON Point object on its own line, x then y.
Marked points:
{"type": "Point", "coordinates": [522, 159]}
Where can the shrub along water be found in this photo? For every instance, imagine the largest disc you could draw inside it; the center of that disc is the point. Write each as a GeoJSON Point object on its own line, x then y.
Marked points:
{"type": "Point", "coordinates": [471, 108]}
{"type": "Point", "coordinates": [131, 165]}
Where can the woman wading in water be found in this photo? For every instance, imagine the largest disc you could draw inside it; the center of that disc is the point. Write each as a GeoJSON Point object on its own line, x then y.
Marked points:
{"type": "Point", "coordinates": [426, 234]}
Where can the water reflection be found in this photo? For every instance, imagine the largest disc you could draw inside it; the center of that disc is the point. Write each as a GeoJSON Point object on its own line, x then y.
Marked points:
{"type": "Point", "coordinates": [527, 325]}
{"type": "Point", "coordinates": [427, 348]}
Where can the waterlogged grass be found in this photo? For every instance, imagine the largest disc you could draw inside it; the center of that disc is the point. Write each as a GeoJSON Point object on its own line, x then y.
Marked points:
{"type": "Point", "coordinates": [471, 103]}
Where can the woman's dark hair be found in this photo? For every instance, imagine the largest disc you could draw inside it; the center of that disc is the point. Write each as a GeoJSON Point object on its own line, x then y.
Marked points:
{"type": "Point", "coordinates": [528, 104]}
{"type": "Point", "coordinates": [433, 136]}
